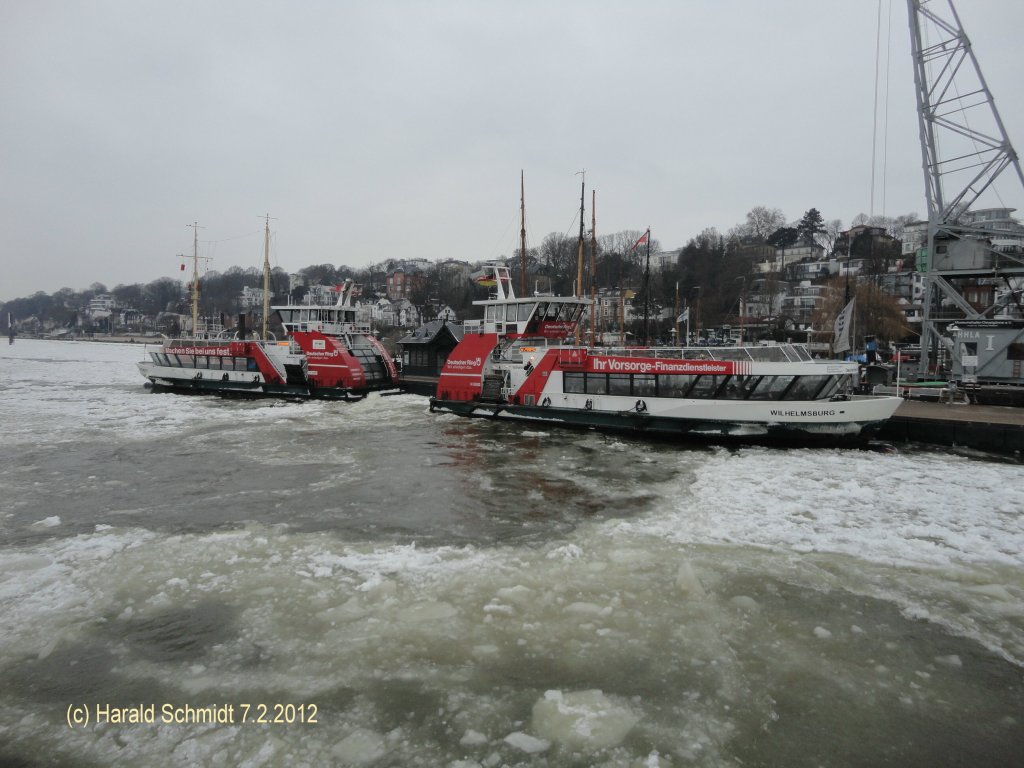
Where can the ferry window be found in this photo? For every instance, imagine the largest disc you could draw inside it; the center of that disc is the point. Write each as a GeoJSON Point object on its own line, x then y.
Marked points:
{"type": "Point", "coordinates": [524, 312]}
{"type": "Point", "coordinates": [706, 386]}
{"type": "Point", "coordinates": [187, 361]}
{"type": "Point", "coordinates": [510, 313]}
{"type": "Point", "coordinates": [250, 364]}
{"type": "Point", "coordinates": [806, 387]}
{"type": "Point", "coordinates": [671, 385]}
{"type": "Point", "coordinates": [572, 382]}
{"type": "Point", "coordinates": [489, 313]}
{"type": "Point", "coordinates": [735, 388]}
{"type": "Point", "coordinates": [215, 362]}
{"type": "Point", "coordinates": [552, 313]}
{"type": "Point", "coordinates": [597, 383]}
{"type": "Point", "coordinates": [1015, 351]}
{"type": "Point", "coordinates": [830, 387]}
{"type": "Point", "coordinates": [644, 385]}
{"type": "Point", "coordinates": [771, 387]}
{"type": "Point", "coordinates": [542, 310]}
{"type": "Point", "coordinates": [618, 384]}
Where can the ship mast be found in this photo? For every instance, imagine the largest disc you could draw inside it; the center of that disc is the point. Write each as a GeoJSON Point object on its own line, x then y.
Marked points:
{"type": "Point", "coordinates": [579, 253]}
{"type": "Point", "coordinates": [266, 278]}
{"type": "Point", "coordinates": [195, 278]}
{"type": "Point", "coordinates": [593, 267]}
{"type": "Point", "coordinates": [522, 236]}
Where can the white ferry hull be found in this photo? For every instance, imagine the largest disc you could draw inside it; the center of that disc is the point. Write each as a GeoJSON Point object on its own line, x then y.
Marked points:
{"type": "Point", "coordinates": [848, 420]}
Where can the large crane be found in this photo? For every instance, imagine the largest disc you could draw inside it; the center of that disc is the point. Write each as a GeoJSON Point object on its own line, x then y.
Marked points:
{"type": "Point", "coordinates": [964, 149]}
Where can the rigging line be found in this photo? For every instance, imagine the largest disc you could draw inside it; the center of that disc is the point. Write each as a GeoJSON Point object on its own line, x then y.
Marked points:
{"type": "Point", "coordinates": [885, 118]}
{"type": "Point", "coordinates": [572, 224]}
{"type": "Point", "coordinates": [235, 237]}
{"type": "Point", "coordinates": [874, 116]}
{"type": "Point", "coordinates": [497, 248]}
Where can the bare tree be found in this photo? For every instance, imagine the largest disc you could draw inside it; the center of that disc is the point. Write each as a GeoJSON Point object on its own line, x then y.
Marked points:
{"type": "Point", "coordinates": [828, 236]}
{"type": "Point", "coordinates": [877, 312]}
{"type": "Point", "coordinates": [761, 222]}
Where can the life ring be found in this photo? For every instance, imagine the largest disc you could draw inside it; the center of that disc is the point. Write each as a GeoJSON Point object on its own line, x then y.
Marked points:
{"type": "Point", "coordinates": [589, 405]}
{"type": "Point", "coordinates": [641, 406]}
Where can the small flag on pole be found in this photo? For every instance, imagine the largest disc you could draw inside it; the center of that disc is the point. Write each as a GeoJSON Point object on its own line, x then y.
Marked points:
{"type": "Point", "coordinates": [643, 239]}
{"type": "Point", "coordinates": [684, 317]}
{"type": "Point", "coordinates": [841, 339]}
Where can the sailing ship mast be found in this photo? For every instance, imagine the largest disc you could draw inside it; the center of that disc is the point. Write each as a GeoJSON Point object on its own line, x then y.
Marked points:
{"type": "Point", "coordinates": [195, 278]}
{"type": "Point", "coordinates": [579, 254]}
{"type": "Point", "coordinates": [522, 236]}
{"type": "Point", "coordinates": [266, 278]}
{"type": "Point", "coordinates": [593, 267]}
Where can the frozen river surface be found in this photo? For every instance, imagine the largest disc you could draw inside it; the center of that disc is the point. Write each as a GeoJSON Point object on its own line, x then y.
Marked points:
{"type": "Point", "coordinates": [385, 587]}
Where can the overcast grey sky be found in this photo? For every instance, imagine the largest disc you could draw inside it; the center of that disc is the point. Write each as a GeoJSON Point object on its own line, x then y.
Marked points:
{"type": "Point", "coordinates": [384, 129]}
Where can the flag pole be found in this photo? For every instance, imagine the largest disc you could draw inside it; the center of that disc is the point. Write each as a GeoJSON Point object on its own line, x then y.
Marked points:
{"type": "Point", "coordinates": [676, 312]}
{"type": "Point", "coordinates": [647, 290]}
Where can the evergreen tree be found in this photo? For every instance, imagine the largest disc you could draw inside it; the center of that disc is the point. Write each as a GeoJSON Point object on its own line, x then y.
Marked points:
{"type": "Point", "coordinates": [810, 225]}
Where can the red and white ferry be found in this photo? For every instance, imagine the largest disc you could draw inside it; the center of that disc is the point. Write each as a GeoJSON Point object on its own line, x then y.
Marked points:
{"type": "Point", "coordinates": [327, 354]}
{"type": "Point", "coordinates": [517, 364]}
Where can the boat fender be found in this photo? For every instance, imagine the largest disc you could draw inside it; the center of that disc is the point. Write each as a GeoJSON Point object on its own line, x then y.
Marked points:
{"type": "Point", "coordinates": [589, 405]}
{"type": "Point", "coordinates": [641, 406]}
{"type": "Point", "coordinates": [256, 379]}
{"type": "Point", "coordinates": [546, 402]}
{"type": "Point", "coordinates": [198, 375]}
{"type": "Point", "coordinates": [224, 377]}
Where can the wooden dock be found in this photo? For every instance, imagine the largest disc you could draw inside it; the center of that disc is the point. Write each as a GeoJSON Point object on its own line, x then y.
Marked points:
{"type": "Point", "coordinates": [985, 427]}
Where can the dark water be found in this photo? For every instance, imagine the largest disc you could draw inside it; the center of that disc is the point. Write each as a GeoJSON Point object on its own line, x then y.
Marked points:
{"type": "Point", "coordinates": [467, 593]}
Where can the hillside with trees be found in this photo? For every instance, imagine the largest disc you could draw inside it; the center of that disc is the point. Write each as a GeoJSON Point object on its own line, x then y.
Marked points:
{"type": "Point", "coordinates": [719, 275]}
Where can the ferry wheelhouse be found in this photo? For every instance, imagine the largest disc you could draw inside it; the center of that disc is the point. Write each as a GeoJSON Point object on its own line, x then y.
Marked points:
{"type": "Point", "coordinates": [517, 363]}
{"type": "Point", "coordinates": [326, 354]}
